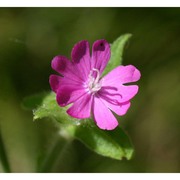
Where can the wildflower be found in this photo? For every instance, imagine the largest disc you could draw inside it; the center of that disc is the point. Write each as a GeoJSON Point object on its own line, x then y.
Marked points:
{"type": "Point", "coordinates": [81, 84]}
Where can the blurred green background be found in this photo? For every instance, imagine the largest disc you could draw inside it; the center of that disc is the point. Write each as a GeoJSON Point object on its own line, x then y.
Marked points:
{"type": "Point", "coordinates": [31, 37]}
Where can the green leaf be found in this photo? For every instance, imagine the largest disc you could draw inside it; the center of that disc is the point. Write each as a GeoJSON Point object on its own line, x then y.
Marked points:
{"type": "Point", "coordinates": [117, 49]}
{"type": "Point", "coordinates": [50, 109]}
{"type": "Point", "coordinates": [114, 144]}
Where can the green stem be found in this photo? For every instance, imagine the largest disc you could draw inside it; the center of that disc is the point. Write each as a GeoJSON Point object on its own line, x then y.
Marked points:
{"type": "Point", "coordinates": [3, 157]}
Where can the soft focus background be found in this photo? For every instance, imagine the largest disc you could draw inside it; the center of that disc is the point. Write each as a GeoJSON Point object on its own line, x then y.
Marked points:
{"type": "Point", "coordinates": [31, 37]}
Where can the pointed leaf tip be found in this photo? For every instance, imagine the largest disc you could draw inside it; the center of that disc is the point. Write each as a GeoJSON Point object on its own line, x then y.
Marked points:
{"type": "Point", "coordinates": [117, 50]}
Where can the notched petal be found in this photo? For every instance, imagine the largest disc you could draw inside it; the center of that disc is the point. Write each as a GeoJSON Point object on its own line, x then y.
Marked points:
{"type": "Point", "coordinates": [81, 59]}
{"type": "Point", "coordinates": [80, 50]}
{"type": "Point", "coordinates": [118, 94]}
{"type": "Point", "coordinates": [100, 54]}
{"type": "Point", "coordinates": [68, 94]}
{"type": "Point", "coordinates": [54, 82]}
{"type": "Point", "coordinates": [122, 75]}
{"type": "Point", "coordinates": [130, 74]}
{"type": "Point", "coordinates": [100, 45]}
{"type": "Point", "coordinates": [60, 64]}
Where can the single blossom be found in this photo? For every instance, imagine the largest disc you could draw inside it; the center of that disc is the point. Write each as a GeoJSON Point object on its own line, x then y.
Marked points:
{"type": "Point", "coordinates": [80, 84]}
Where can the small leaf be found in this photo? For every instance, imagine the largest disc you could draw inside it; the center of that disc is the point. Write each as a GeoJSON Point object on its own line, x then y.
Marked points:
{"type": "Point", "coordinates": [114, 144]}
{"type": "Point", "coordinates": [50, 109]}
{"type": "Point", "coordinates": [117, 49]}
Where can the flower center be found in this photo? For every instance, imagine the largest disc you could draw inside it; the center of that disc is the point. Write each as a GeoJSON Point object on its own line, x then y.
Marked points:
{"type": "Point", "coordinates": [93, 83]}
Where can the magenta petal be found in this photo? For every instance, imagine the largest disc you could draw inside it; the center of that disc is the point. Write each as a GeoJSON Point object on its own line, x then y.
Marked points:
{"type": "Point", "coordinates": [68, 94]}
{"type": "Point", "coordinates": [54, 82]}
{"type": "Point", "coordinates": [100, 55]}
{"type": "Point", "coordinates": [57, 82]}
{"type": "Point", "coordinates": [103, 116]}
{"type": "Point", "coordinates": [64, 67]}
{"type": "Point", "coordinates": [119, 93]}
{"type": "Point", "coordinates": [63, 81]}
{"type": "Point", "coordinates": [128, 92]}
{"type": "Point", "coordinates": [81, 58]}
{"type": "Point", "coordinates": [82, 107]}
{"type": "Point", "coordinates": [61, 64]}
{"type": "Point", "coordinates": [122, 75]}
{"type": "Point", "coordinates": [119, 108]}
{"type": "Point", "coordinates": [80, 52]}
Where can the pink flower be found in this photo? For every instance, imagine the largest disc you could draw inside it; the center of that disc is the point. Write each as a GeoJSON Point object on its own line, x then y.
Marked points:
{"type": "Point", "coordinates": [81, 84]}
